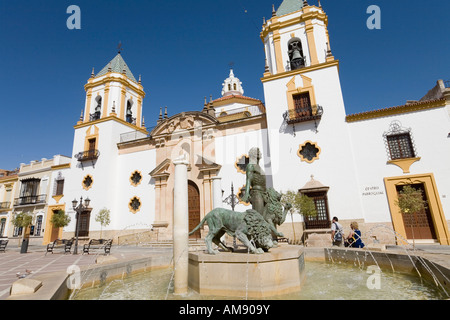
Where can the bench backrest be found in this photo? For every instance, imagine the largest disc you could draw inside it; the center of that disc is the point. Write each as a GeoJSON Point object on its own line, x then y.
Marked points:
{"type": "Point", "coordinates": [100, 241]}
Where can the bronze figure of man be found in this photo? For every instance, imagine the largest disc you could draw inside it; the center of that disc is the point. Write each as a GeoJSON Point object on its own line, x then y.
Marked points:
{"type": "Point", "coordinates": [255, 185]}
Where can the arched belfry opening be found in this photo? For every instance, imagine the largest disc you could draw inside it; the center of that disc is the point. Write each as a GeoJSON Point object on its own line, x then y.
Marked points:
{"type": "Point", "coordinates": [295, 51]}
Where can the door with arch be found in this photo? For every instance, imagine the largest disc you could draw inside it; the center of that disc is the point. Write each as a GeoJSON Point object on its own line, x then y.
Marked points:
{"type": "Point", "coordinates": [194, 208]}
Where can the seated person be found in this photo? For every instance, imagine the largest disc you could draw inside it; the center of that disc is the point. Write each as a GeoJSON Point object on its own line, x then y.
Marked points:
{"type": "Point", "coordinates": [354, 240]}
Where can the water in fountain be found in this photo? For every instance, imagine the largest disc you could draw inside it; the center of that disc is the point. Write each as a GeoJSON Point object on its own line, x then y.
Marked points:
{"type": "Point", "coordinates": [323, 281]}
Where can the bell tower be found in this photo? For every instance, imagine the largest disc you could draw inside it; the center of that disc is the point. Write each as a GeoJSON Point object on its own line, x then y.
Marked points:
{"type": "Point", "coordinates": [114, 92]}
{"type": "Point", "coordinates": [296, 36]}
{"type": "Point", "coordinates": [112, 111]}
{"type": "Point", "coordinates": [305, 109]}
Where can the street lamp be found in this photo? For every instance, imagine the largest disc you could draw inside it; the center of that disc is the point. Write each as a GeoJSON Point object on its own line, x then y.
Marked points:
{"type": "Point", "coordinates": [79, 208]}
{"type": "Point", "coordinates": [232, 200]}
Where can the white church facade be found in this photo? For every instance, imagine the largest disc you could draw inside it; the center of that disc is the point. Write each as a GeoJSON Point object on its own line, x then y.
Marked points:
{"type": "Point", "coordinates": [353, 166]}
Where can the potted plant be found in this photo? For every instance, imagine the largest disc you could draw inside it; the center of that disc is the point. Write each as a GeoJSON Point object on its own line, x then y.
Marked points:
{"type": "Point", "coordinates": [23, 220]}
{"type": "Point", "coordinates": [60, 219]}
{"type": "Point", "coordinates": [410, 201]}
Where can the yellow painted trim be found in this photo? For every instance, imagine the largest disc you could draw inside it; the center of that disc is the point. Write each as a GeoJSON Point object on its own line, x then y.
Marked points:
{"type": "Point", "coordinates": [278, 53]}
{"type": "Point", "coordinates": [131, 209]}
{"type": "Point", "coordinates": [139, 112]}
{"type": "Point", "coordinates": [240, 201]}
{"type": "Point", "coordinates": [301, 71]}
{"type": "Point", "coordinates": [91, 135]}
{"type": "Point", "coordinates": [131, 178]}
{"type": "Point", "coordinates": [123, 94]}
{"type": "Point", "coordinates": [106, 100]}
{"type": "Point", "coordinates": [48, 226]}
{"type": "Point", "coordinates": [311, 43]}
{"type": "Point", "coordinates": [270, 27]}
{"type": "Point", "coordinates": [313, 159]}
{"type": "Point", "coordinates": [404, 164]}
{"type": "Point", "coordinates": [88, 105]}
{"type": "Point", "coordinates": [111, 117]}
{"type": "Point", "coordinates": [395, 110]}
{"type": "Point", "coordinates": [82, 182]}
{"type": "Point", "coordinates": [293, 90]}
{"type": "Point", "coordinates": [61, 166]}
{"type": "Point", "coordinates": [125, 82]}
{"type": "Point", "coordinates": [57, 198]}
{"type": "Point", "coordinates": [434, 204]}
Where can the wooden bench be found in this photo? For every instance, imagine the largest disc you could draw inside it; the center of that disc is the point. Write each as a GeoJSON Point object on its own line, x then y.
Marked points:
{"type": "Point", "coordinates": [98, 244]}
{"type": "Point", "coordinates": [65, 244]}
{"type": "Point", "coordinates": [3, 244]}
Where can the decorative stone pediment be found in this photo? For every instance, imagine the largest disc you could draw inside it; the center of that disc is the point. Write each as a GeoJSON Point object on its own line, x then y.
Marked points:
{"type": "Point", "coordinates": [161, 170]}
{"type": "Point", "coordinates": [183, 122]}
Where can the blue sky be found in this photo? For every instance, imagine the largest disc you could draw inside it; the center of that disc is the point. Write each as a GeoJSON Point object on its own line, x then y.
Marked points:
{"type": "Point", "coordinates": [183, 50]}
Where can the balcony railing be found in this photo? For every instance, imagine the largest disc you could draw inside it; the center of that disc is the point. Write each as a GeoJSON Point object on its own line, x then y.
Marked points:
{"type": "Point", "coordinates": [88, 155]}
{"type": "Point", "coordinates": [5, 205]}
{"type": "Point", "coordinates": [94, 116]}
{"type": "Point", "coordinates": [303, 114]}
{"type": "Point", "coordinates": [30, 200]}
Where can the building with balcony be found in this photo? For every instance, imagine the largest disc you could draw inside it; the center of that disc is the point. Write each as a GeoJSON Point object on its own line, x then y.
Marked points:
{"type": "Point", "coordinates": [39, 190]}
{"type": "Point", "coordinates": [8, 185]}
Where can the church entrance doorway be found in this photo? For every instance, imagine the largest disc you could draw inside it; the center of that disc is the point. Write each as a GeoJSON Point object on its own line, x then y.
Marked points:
{"type": "Point", "coordinates": [194, 208]}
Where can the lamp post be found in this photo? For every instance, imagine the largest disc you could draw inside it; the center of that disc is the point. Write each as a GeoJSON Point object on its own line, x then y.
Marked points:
{"type": "Point", "coordinates": [79, 208]}
{"type": "Point", "coordinates": [232, 200]}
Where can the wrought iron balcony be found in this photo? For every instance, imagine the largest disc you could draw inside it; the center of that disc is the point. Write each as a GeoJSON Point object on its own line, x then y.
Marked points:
{"type": "Point", "coordinates": [88, 155]}
{"type": "Point", "coordinates": [311, 113]}
{"type": "Point", "coordinates": [30, 200]}
{"type": "Point", "coordinates": [94, 116]}
{"type": "Point", "coordinates": [5, 205]}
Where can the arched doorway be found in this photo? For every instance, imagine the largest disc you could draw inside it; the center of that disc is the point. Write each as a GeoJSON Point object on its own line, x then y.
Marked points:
{"type": "Point", "coordinates": [194, 208]}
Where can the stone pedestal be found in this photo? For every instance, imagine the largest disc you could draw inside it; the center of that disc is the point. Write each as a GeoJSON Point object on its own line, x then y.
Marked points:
{"type": "Point", "coordinates": [240, 274]}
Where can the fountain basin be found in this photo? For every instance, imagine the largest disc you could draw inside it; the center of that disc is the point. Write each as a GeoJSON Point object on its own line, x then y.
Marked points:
{"type": "Point", "coordinates": [240, 274]}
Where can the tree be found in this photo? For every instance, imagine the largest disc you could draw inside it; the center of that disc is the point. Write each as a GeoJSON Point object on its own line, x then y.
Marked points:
{"type": "Point", "coordinates": [103, 217]}
{"type": "Point", "coordinates": [60, 219]}
{"type": "Point", "coordinates": [302, 204]}
{"type": "Point", "coordinates": [410, 201]}
{"type": "Point", "coordinates": [22, 220]}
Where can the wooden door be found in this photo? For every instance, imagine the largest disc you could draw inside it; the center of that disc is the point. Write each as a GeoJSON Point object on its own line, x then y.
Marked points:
{"type": "Point", "coordinates": [419, 225]}
{"type": "Point", "coordinates": [194, 208]}
{"type": "Point", "coordinates": [83, 224]}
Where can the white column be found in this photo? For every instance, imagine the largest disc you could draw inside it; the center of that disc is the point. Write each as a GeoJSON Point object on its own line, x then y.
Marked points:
{"type": "Point", "coordinates": [180, 226]}
{"type": "Point", "coordinates": [217, 192]}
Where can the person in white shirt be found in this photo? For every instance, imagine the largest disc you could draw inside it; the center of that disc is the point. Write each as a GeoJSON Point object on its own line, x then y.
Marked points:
{"type": "Point", "coordinates": [337, 232]}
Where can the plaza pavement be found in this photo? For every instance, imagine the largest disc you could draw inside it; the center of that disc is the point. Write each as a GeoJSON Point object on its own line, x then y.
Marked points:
{"type": "Point", "coordinates": [14, 264]}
